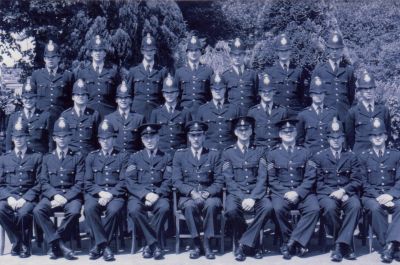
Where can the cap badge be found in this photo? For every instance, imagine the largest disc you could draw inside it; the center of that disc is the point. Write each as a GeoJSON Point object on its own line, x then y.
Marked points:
{"type": "Point", "coordinates": [376, 123]}
{"type": "Point", "coordinates": [104, 125]}
{"type": "Point", "coordinates": [318, 81]}
{"type": "Point", "coordinates": [50, 46]}
{"type": "Point", "coordinates": [98, 40]}
{"type": "Point", "coordinates": [80, 83]}
{"type": "Point", "coordinates": [237, 43]}
{"type": "Point", "coordinates": [217, 78]}
{"type": "Point", "coordinates": [266, 80]}
{"type": "Point", "coordinates": [367, 78]}
{"type": "Point", "coordinates": [193, 40]}
{"type": "Point", "coordinates": [28, 87]}
{"type": "Point", "coordinates": [148, 39]}
{"type": "Point", "coordinates": [284, 40]}
{"type": "Point", "coordinates": [335, 125]}
{"type": "Point", "coordinates": [169, 81]}
{"type": "Point", "coordinates": [335, 38]}
{"type": "Point", "coordinates": [18, 125]}
{"type": "Point", "coordinates": [123, 87]}
{"type": "Point", "coordinates": [61, 123]}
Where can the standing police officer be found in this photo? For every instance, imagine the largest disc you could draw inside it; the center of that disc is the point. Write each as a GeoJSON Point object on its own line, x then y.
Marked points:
{"type": "Point", "coordinates": [101, 80]}
{"type": "Point", "coordinates": [291, 176]}
{"type": "Point", "coordinates": [288, 78]}
{"type": "Point", "coordinates": [104, 191]}
{"type": "Point", "coordinates": [82, 120]}
{"type": "Point", "coordinates": [196, 174]}
{"type": "Point", "coordinates": [62, 182]}
{"type": "Point", "coordinates": [148, 180]}
{"type": "Point", "coordinates": [338, 184]}
{"type": "Point", "coordinates": [218, 114]}
{"type": "Point", "coordinates": [266, 114]}
{"type": "Point", "coordinates": [245, 171]}
{"type": "Point", "coordinates": [360, 116]}
{"type": "Point", "coordinates": [338, 75]}
{"type": "Point", "coordinates": [37, 120]}
{"type": "Point", "coordinates": [172, 117]}
{"type": "Point", "coordinates": [125, 121]}
{"type": "Point", "coordinates": [193, 79]}
{"type": "Point", "coordinates": [381, 189]}
{"type": "Point", "coordinates": [19, 190]}
{"type": "Point", "coordinates": [313, 121]}
{"type": "Point", "coordinates": [146, 80]}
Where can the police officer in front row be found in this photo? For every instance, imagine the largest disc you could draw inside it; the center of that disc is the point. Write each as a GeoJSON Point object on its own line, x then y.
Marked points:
{"type": "Point", "coordinates": [381, 189]}
{"type": "Point", "coordinates": [148, 180]}
{"type": "Point", "coordinates": [104, 191]}
{"type": "Point", "coordinates": [19, 190]}
{"type": "Point", "coordinates": [245, 171]}
{"type": "Point", "coordinates": [196, 174]}
{"type": "Point", "coordinates": [291, 176]}
{"type": "Point", "coordinates": [62, 183]}
{"type": "Point", "coordinates": [338, 183]}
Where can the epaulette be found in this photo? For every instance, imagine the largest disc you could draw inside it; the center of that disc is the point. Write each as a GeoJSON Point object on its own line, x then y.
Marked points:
{"type": "Point", "coordinates": [67, 110]}
{"type": "Point", "coordinates": [258, 106]}
{"type": "Point", "coordinates": [213, 149]}
{"type": "Point", "coordinates": [95, 151]}
{"type": "Point", "coordinates": [229, 147]}
{"type": "Point", "coordinates": [181, 149]}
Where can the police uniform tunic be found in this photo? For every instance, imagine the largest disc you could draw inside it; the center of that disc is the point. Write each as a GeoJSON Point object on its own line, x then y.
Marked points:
{"type": "Point", "coordinates": [104, 173]}
{"type": "Point", "coordinates": [204, 174]}
{"type": "Point", "coordinates": [293, 172]}
{"type": "Point", "coordinates": [246, 177]}
{"type": "Point", "coordinates": [266, 133]}
{"type": "Point", "coordinates": [219, 134]}
{"type": "Point", "coordinates": [381, 175]}
{"type": "Point", "coordinates": [333, 175]}
{"type": "Point", "coordinates": [128, 137]}
{"type": "Point", "coordinates": [146, 174]}
{"type": "Point", "coordinates": [63, 177]}
{"type": "Point", "coordinates": [146, 88]}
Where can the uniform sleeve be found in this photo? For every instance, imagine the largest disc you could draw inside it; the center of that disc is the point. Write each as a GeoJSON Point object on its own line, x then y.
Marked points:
{"type": "Point", "coordinates": [119, 189]}
{"type": "Point", "coordinates": [165, 187]}
{"type": "Point", "coordinates": [273, 178]}
{"type": "Point", "coordinates": [33, 193]}
{"type": "Point", "coordinates": [322, 188]}
{"type": "Point", "coordinates": [260, 189]}
{"type": "Point", "coordinates": [309, 178]}
{"type": "Point", "coordinates": [90, 186]}
{"type": "Point", "coordinates": [228, 174]}
{"type": "Point", "coordinates": [4, 191]}
{"type": "Point", "coordinates": [395, 190]}
{"type": "Point", "coordinates": [76, 189]}
{"type": "Point", "coordinates": [47, 189]}
{"type": "Point", "coordinates": [215, 188]}
{"type": "Point", "coordinates": [301, 131]}
{"type": "Point", "coordinates": [132, 179]}
{"type": "Point", "coordinates": [355, 177]}
{"type": "Point", "coordinates": [177, 175]}
{"type": "Point", "coordinates": [367, 188]}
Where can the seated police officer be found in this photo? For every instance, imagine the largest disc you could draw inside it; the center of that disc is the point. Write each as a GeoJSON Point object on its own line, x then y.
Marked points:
{"type": "Point", "coordinates": [148, 180]}
{"type": "Point", "coordinates": [196, 174]}
{"type": "Point", "coordinates": [19, 190]}
{"type": "Point", "coordinates": [245, 172]}
{"type": "Point", "coordinates": [291, 176]}
{"type": "Point", "coordinates": [338, 183]}
{"type": "Point", "coordinates": [62, 182]}
{"type": "Point", "coordinates": [381, 189]}
{"type": "Point", "coordinates": [104, 191]}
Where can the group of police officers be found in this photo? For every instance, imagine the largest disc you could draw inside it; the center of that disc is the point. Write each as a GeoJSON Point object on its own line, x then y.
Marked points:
{"type": "Point", "coordinates": [271, 140]}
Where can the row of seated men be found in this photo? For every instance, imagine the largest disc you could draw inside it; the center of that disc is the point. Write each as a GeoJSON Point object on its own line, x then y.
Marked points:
{"type": "Point", "coordinates": [268, 182]}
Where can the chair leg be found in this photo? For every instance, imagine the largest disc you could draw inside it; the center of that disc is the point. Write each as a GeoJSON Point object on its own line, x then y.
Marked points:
{"type": "Point", "coordinates": [370, 238]}
{"type": "Point", "coordinates": [133, 246]}
{"type": "Point", "coordinates": [222, 234]}
{"type": "Point", "coordinates": [2, 240]}
{"type": "Point", "coordinates": [177, 234]}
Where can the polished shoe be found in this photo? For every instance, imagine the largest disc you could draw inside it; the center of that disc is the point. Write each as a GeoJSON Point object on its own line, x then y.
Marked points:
{"type": "Point", "coordinates": [349, 253]}
{"type": "Point", "coordinates": [147, 252]}
{"type": "Point", "coordinates": [239, 253]}
{"type": "Point", "coordinates": [52, 252]}
{"type": "Point", "coordinates": [195, 253]}
{"type": "Point", "coordinates": [301, 251]}
{"type": "Point", "coordinates": [388, 253]}
{"type": "Point", "coordinates": [95, 253]}
{"type": "Point", "coordinates": [15, 248]}
{"type": "Point", "coordinates": [258, 254]}
{"type": "Point", "coordinates": [337, 254]}
{"type": "Point", "coordinates": [288, 249]}
{"type": "Point", "coordinates": [66, 251]}
{"type": "Point", "coordinates": [25, 251]}
{"type": "Point", "coordinates": [108, 254]}
{"type": "Point", "coordinates": [207, 249]}
{"type": "Point", "coordinates": [158, 253]}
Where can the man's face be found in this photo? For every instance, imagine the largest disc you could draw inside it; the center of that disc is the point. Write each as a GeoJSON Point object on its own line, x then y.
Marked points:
{"type": "Point", "coordinates": [218, 94]}
{"type": "Point", "coordinates": [378, 140]}
{"type": "Point", "coordinates": [124, 102]}
{"type": "Point", "coordinates": [367, 94]}
{"type": "Point", "coordinates": [194, 55]}
{"type": "Point", "coordinates": [170, 97]}
{"type": "Point", "coordinates": [51, 62]}
{"type": "Point", "coordinates": [80, 99]}
{"type": "Point", "coordinates": [267, 95]}
{"type": "Point", "coordinates": [288, 135]}
{"type": "Point", "coordinates": [317, 98]}
{"type": "Point", "coordinates": [148, 55]}
{"type": "Point", "coordinates": [98, 55]}
{"type": "Point", "coordinates": [150, 141]}
{"type": "Point", "coordinates": [196, 139]}
{"type": "Point", "coordinates": [243, 133]}
{"type": "Point", "coordinates": [335, 142]}
{"type": "Point", "coordinates": [62, 141]}
{"type": "Point", "coordinates": [335, 54]}
{"type": "Point", "coordinates": [284, 56]}
{"type": "Point", "coordinates": [237, 58]}
{"type": "Point", "coordinates": [19, 141]}
{"type": "Point", "coordinates": [106, 143]}
{"type": "Point", "coordinates": [29, 102]}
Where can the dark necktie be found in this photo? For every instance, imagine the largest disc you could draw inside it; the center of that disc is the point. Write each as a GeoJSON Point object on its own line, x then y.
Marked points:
{"type": "Point", "coordinates": [369, 108]}
{"type": "Point", "coordinates": [170, 109]}
{"type": "Point", "coordinates": [219, 105]}
{"type": "Point", "coordinates": [98, 70]}
{"type": "Point", "coordinates": [337, 156]}
{"type": "Point", "coordinates": [80, 113]}
{"type": "Point", "coordinates": [286, 67]}
{"type": "Point", "coordinates": [148, 69]}
{"type": "Point", "coordinates": [19, 155]}
{"type": "Point", "coordinates": [336, 67]}
{"type": "Point", "coordinates": [29, 114]}
{"type": "Point", "coordinates": [244, 149]}
{"type": "Point", "coordinates": [197, 155]}
{"type": "Point", "coordinates": [62, 155]}
{"type": "Point", "coordinates": [290, 149]}
{"type": "Point", "coordinates": [319, 110]}
{"type": "Point", "coordinates": [380, 153]}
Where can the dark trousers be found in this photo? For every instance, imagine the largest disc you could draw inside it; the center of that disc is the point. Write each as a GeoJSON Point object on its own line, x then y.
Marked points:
{"type": "Point", "coordinates": [342, 229]}
{"type": "Point", "coordinates": [193, 213]}
{"type": "Point", "coordinates": [43, 212]}
{"type": "Point", "coordinates": [309, 210]}
{"type": "Point", "coordinates": [384, 231]}
{"type": "Point", "coordinates": [17, 224]}
{"type": "Point", "coordinates": [152, 228]}
{"type": "Point", "coordinates": [102, 230]}
{"type": "Point", "coordinates": [235, 217]}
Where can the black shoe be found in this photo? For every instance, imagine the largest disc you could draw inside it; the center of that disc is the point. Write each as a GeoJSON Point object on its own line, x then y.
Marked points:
{"type": "Point", "coordinates": [25, 251]}
{"type": "Point", "coordinates": [52, 252]}
{"type": "Point", "coordinates": [258, 254]}
{"type": "Point", "coordinates": [95, 253]}
{"type": "Point", "coordinates": [158, 253]}
{"type": "Point", "coordinates": [147, 253]}
{"type": "Point", "coordinates": [15, 249]}
{"type": "Point", "coordinates": [349, 253]}
{"type": "Point", "coordinates": [66, 251]}
{"type": "Point", "coordinates": [337, 254]}
{"type": "Point", "coordinates": [388, 253]}
{"type": "Point", "coordinates": [207, 249]}
{"type": "Point", "coordinates": [195, 253]}
{"type": "Point", "coordinates": [108, 255]}
{"type": "Point", "coordinates": [239, 253]}
{"type": "Point", "coordinates": [289, 249]}
{"type": "Point", "coordinates": [301, 251]}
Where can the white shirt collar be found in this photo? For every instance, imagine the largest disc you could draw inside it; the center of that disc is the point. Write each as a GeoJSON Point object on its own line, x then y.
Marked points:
{"type": "Point", "coordinates": [192, 65]}
{"type": "Point", "coordinates": [287, 146]}
{"type": "Point", "coordinates": [50, 71]}
{"type": "Point", "coordinates": [154, 152]}
{"type": "Point", "coordinates": [109, 152]}
{"type": "Point", "coordinates": [168, 106]}
{"type": "Point", "coordinates": [315, 106]}
{"type": "Point", "coordinates": [332, 63]}
{"type": "Point", "coordinates": [99, 65]}
{"type": "Point", "coordinates": [146, 63]}
{"type": "Point", "coordinates": [237, 68]}
{"type": "Point", "coordinates": [216, 102]}
{"type": "Point", "coordinates": [283, 63]}
{"type": "Point", "coordinates": [377, 150]}
{"type": "Point", "coordinates": [78, 109]}
{"type": "Point", "coordinates": [241, 146]}
{"type": "Point", "coordinates": [194, 152]}
{"type": "Point", "coordinates": [267, 107]}
{"type": "Point", "coordinates": [58, 151]}
{"type": "Point", "coordinates": [23, 151]}
{"type": "Point", "coordinates": [122, 113]}
{"type": "Point", "coordinates": [368, 103]}
{"type": "Point", "coordinates": [26, 111]}
{"type": "Point", "coordinates": [334, 151]}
